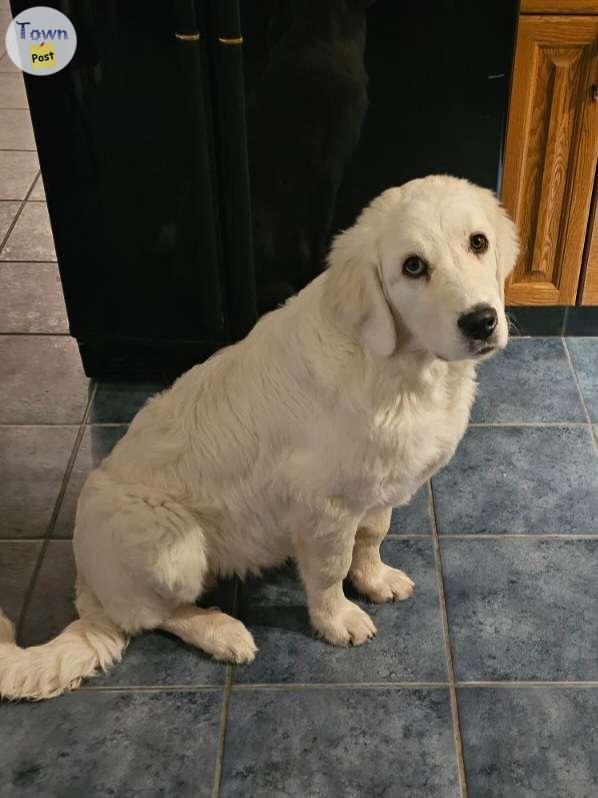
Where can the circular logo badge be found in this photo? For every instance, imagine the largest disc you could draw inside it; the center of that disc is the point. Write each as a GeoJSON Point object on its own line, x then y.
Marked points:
{"type": "Point", "coordinates": [41, 40]}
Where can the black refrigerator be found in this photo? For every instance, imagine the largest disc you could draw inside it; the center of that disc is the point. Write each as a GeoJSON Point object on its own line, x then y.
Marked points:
{"type": "Point", "coordinates": [198, 155]}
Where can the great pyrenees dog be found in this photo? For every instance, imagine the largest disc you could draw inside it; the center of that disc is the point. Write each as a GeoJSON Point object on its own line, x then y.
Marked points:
{"type": "Point", "coordinates": [294, 443]}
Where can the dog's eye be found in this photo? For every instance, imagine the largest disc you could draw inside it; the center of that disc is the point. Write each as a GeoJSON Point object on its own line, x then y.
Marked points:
{"type": "Point", "coordinates": [415, 267]}
{"type": "Point", "coordinates": [478, 243]}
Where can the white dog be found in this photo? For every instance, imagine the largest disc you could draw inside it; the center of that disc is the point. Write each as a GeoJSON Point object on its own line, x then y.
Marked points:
{"type": "Point", "coordinates": [295, 442]}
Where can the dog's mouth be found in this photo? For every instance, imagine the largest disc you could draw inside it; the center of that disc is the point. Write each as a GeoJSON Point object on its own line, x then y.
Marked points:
{"type": "Point", "coordinates": [486, 349]}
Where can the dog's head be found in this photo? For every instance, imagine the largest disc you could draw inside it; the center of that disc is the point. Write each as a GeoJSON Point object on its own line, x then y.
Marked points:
{"type": "Point", "coordinates": [427, 260]}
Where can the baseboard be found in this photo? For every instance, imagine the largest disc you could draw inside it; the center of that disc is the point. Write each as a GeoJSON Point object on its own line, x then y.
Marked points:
{"type": "Point", "coordinates": [553, 320]}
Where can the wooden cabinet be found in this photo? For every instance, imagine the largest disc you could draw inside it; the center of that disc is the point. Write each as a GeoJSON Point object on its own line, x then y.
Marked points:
{"type": "Point", "coordinates": [551, 154]}
{"type": "Point", "coordinates": [589, 284]}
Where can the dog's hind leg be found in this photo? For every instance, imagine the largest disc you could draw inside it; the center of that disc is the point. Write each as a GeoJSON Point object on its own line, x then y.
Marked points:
{"type": "Point", "coordinates": [147, 565]}
{"type": "Point", "coordinates": [371, 577]}
{"type": "Point", "coordinates": [213, 631]}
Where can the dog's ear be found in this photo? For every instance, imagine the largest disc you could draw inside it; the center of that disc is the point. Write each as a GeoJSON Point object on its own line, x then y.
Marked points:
{"type": "Point", "coordinates": [355, 296]}
{"type": "Point", "coordinates": [507, 248]}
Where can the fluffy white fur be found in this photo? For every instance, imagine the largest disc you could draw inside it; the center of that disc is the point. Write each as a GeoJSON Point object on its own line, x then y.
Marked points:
{"type": "Point", "coordinates": [295, 442]}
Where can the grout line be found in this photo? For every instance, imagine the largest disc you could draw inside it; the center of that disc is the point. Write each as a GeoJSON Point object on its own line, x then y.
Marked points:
{"type": "Point", "coordinates": [527, 424]}
{"type": "Point", "coordinates": [222, 733]}
{"type": "Point", "coordinates": [559, 424]}
{"type": "Point", "coordinates": [516, 337]}
{"type": "Point", "coordinates": [15, 259]}
{"type": "Point", "coordinates": [225, 705]}
{"type": "Point", "coordinates": [12, 225]}
{"type": "Point", "coordinates": [12, 334]}
{"type": "Point", "coordinates": [565, 320]}
{"type": "Point", "coordinates": [398, 538]}
{"type": "Point", "coordinates": [464, 536]}
{"type": "Point", "coordinates": [12, 541]}
{"type": "Point", "coordinates": [110, 423]}
{"type": "Point", "coordinates": [152, 688]}
{"type": "Point", "coordinates": [293, 686]}
{"type": "Point", "coordinates": [523, 536]}
{"type": "Point", "coordinates": [290, 686]}
{"type": "Point", "coordinates": [57, 506]}
{"type": "Point", "coordinates": [522, 684]}
{"type": "Point", "coordinates": [448, 650]}
{"type": "Point", "coordinates": [120, 423]}
{"type": "Point", "coordinates": [581, 396]}
{"type": "Point", "coordinates": [44, 424]}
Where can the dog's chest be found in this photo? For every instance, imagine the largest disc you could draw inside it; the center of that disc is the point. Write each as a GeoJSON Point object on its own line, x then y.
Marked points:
{"type": "Point", "coordinates": [410, 440]}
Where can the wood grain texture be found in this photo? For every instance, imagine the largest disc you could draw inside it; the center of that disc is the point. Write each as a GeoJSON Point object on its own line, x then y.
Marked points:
{"type": "Point", "coordinates": [589, 289]}
{"type": "Point", "coordinates": [551, 154]}
{"type": "Point", "coordinates": [559, 7]}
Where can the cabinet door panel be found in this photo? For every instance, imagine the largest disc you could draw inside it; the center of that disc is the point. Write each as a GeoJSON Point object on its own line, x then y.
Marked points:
{"type": "Point", "coordinates": [123, 140]}
{"type": "Point", "coordinates": [552, 147]}
{"type": "Point", "coordinates": [589, 289]}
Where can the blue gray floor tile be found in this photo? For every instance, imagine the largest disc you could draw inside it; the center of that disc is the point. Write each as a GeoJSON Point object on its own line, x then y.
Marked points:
{"type": "Point", "coordinates": [318, 743]}
{"type": "Point", "coordinates": [110, 744]}
{"type": "Point", "coordinates": [584, 354]}
{"type": "Point", "coordinates": [118, 402]}
{"type": "Point", "coordinates": [535, 480]}
{"type": "Point", "coordinates": [159, 659]}
{"type": "Point", "coordinates": [522, 609]}
{"type": "Point", "coordinates": [530, 381]}
{"type": "Point", "coordinates": [156, 658]}
{"type": "Point", "coordinates": [151, 659]}
{"type": "Point", "coordinates": [530, 742]}
{"type": "Point", "coordinates": [413, 518]}
{"type": "Point", "coordinates": [33, 461]}
{"type": "Point", "coordinates": [409, 645]}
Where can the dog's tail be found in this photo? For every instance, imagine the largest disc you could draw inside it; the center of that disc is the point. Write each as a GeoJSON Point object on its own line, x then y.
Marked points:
{"type": "Point", "coordinates": [86, 645]}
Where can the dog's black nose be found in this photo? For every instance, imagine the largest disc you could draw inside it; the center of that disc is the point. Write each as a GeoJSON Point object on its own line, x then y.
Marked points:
{"type": "Point", "coordinates": [478, 323]}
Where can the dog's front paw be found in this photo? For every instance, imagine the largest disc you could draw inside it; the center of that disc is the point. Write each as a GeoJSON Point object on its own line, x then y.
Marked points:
{"type": "Point", "coordinates": [230, 641]}
{"type": "Point", "coordinates": [347, 625]}
{"type": "Point", "coordinates": [383, 584]}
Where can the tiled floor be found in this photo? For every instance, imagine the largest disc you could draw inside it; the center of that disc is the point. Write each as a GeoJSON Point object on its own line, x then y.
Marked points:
{"type": "Point", "coordinates": [485, 684]}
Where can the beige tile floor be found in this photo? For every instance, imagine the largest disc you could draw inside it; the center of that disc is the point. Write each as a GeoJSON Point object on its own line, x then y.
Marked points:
{"type": "Point", "coordinates": [32, 300]}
